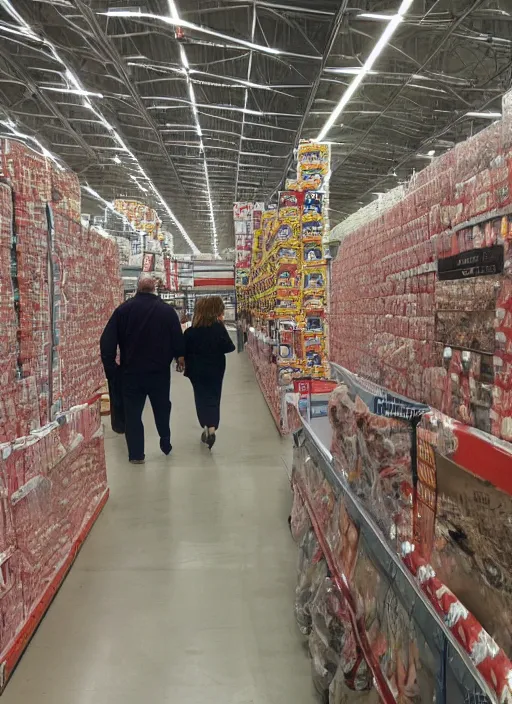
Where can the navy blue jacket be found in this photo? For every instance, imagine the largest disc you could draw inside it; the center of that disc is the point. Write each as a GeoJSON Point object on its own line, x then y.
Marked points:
{"type": "Point", "coordinates": [148, 334]}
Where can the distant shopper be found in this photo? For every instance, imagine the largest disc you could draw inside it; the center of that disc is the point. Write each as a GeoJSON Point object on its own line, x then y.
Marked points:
{"type": "Point", "coordinates": [206, 344]}
{"type": "Point", "coordinates": [148, 334]}
{"type": "Point", "coordinates": [185, 321]}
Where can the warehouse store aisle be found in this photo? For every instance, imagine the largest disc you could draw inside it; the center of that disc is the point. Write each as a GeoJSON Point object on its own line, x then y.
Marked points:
{"type": "Point", "coordinates": [184, 590]}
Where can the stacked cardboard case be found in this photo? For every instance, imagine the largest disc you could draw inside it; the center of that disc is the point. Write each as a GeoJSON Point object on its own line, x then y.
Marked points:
{"type": "Point", "coordinates": [59, 282]}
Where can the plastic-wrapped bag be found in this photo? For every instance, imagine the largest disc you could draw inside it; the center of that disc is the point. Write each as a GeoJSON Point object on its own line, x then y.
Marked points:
{"type": "Point", "coordinates": [353, 684]}
{"type": "Point", "coordinates": [326, 637]}
{"type": "Point", "coordinates": [312, 569]}
{"type": "Point", "coordinates": [340, 693]}
{"type": "Point", "coordinates": [299, 518]}
{"type": "Point", "coordinates": [325, 620]}
{"type": "Point", "coordinates": [323, 666]}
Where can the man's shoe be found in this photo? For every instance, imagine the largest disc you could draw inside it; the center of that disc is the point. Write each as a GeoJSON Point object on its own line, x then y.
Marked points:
{"type": "Point", "coordinates": [165, 445]}
{"type": "Point", "coordinates": [137, 461]}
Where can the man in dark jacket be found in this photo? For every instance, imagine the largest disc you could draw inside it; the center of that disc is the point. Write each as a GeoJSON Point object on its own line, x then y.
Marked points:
{"type": "Point", "coordinates": [148, 334]}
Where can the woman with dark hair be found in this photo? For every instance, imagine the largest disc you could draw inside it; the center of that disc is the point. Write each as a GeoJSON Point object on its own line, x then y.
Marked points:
{"type": "Point", "coordinates": [206, 344]}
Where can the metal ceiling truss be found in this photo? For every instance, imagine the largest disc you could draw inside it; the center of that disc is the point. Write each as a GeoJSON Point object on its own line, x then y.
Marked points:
{"type": "Point", "coordinates": [211, 98]}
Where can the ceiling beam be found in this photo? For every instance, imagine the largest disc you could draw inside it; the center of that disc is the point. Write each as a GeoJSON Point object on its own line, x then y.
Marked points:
{"type": "Point", "coordinates": [437, 48]}
{"type": "Point", "coordinates": [297, 10]}
{"type": "Point", "coordinates": [20, 73]}
{"type": "Point", "coordinates": [331, 38]}
{"type": "Point", "coordinates": [118, 62]}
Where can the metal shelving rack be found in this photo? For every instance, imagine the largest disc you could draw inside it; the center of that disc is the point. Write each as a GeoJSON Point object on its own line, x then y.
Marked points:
{"type": "Point", "coordinates": [457, 680]}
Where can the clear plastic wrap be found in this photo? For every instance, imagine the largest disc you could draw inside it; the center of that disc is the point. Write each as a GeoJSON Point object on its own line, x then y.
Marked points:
{"type": "Point", "coordinates": [311, 571]}
{"type": "Point", "coordinates": [326, 638]}
{"type": "Point", "coordinates": [363, 610]}
{"type": "Point", "coordinates": [341, 693]}
{"type": "Point", "coordinates": [299, 518]}
{"type": "Point", "coordinates": [406, 662]}
{"type": "Point", "coordinates": [374, 455]}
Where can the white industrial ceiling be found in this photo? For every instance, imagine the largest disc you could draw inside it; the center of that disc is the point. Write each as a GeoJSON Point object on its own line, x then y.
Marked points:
{"type": "Point", "coordinates": [193, 104]}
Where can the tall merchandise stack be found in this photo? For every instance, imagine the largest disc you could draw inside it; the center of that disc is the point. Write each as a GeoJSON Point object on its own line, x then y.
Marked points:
{"type": "Point", "coordinates": [136, 228]}
{"type": "Point", "coordinates": [30, 177]}
{"type": "Point", "coordinates": [141, 216]}
{"type": "Point", "coordinates": [422, 291]}
{"type": "Point", "coordinates": [247, 224]}
{"type": "Point", "coordinates": [421, 307]}
{"type": "Point", "coordinates": [285, 296]}
{"type": "Point", "coordinates": [59, 282]}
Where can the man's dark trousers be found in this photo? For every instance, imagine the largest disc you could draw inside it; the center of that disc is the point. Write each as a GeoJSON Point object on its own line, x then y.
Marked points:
{"type": "Point", "coordinates": [136, 388]}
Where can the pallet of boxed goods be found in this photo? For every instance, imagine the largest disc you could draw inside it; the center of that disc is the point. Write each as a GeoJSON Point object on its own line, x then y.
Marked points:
{"type": "Point", "coordinates": [421, 290]}
{"type": "Point", "coordinates": [59, 283]}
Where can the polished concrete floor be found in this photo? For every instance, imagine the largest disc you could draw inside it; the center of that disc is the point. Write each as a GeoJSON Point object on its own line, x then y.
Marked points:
{"type": "Point", "coordinates": [183, 591]}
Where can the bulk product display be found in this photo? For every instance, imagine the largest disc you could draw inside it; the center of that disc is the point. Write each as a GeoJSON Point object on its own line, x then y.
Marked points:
{"type": "Point", "coordinates": [283, 293]}
{"type": "Point", "coordinates": [386, 623]}
{"type": "Point", "coordinates": [141, 216]}
{"type": "Point", "coordinates": [247, 222]}
{"type": "Point", "coordinates": [59, 282]}
{"type": "Point", "coordinates": [421, 288]}
{"type": "Point", "coordinates": [402, 508]}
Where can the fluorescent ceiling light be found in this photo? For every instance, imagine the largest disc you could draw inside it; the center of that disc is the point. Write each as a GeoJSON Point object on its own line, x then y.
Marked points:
{"type": "Point", "coordinates": [237, 81]}
{"type": "Point", "coordinates": [174, 16]}
{"type": "Point", "coordinates": [184, 59]}
{"type": "Point", "coordinates": [267, 156]}
{"type": "Point", "coordinates": [173, 10]}
{"type": "Point", "coordinates": [72, 91]}
{"type": "Point", "coordinates": [393, 23]}
{"type": "Point", "coordinates": [434, 90]}
{"type": "Point", "coordinates": [73, 79]}
{"type": "Point", "coordinates": [349, 70]}
{"type": "Point", "coordinates": [484, 115]}
{"type": "Point", "coordinates": [373, 16]}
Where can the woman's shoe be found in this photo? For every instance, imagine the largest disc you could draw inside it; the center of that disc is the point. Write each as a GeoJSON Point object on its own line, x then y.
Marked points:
{"type": "Point", "coordinates": [204, 436]}
{"type": "Point", "coordinates": [210, 439]}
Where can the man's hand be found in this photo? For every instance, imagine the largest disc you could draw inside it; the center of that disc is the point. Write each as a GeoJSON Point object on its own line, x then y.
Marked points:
{"type": "Point", "coordinates": [180, 364]}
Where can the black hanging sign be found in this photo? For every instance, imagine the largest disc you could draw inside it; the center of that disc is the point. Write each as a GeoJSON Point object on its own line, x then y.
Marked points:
{"type": "Point", "coordinates": [467, 265]}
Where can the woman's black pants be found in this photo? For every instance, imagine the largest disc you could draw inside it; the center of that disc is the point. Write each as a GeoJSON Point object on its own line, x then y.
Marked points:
{"type": "Point", "coordinates": [207, 393]}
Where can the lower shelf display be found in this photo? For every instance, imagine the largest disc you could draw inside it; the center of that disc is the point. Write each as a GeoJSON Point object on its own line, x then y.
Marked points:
{"type": "Point", "coordinates": [374, 632]}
